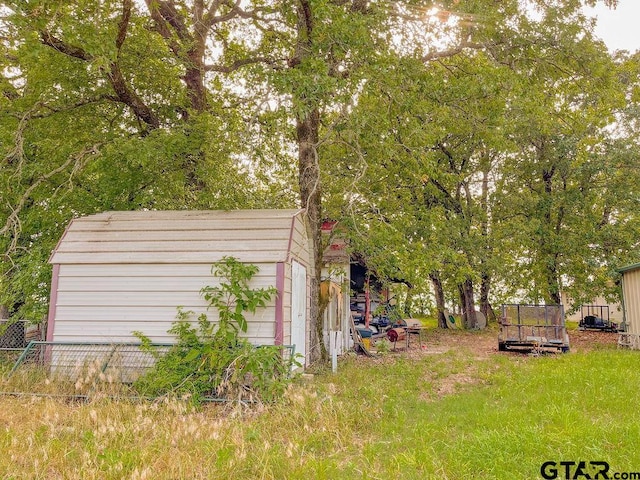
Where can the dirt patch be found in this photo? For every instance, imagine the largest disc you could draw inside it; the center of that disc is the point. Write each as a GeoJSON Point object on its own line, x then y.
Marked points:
{"type": "Point", "coordinates": [476, 346]}
{"type": "Point", "coordinates": [581, 341]}
{"type": "Point", "coordinates": [483, 344]}
{"type": "Point", "coordinates": [451, 384]}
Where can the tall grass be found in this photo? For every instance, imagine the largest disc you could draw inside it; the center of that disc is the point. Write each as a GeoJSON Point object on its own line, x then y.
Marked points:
{"type": "Point", "coordinates": [440, 416]}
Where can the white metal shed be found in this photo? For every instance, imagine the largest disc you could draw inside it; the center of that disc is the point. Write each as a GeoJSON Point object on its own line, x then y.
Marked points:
{"type": "Point", "coordinates": [119, 272]}
{"type": "Point", "coordinates": [631, 305]}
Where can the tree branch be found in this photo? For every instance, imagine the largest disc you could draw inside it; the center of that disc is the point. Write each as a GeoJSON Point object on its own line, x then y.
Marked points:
{"type": "Point", "coordinates": [163, 28]}
{"type": "Point", "coordinates": [448, 202]}
{"type": "Point", "coordinates": [453, 51]}
{"type": "Point", "coordinates": [241, 63]}
{"type": "Point", "coordinates": [167, 12]}
{"type": "Point", "coordinates": [124, 93]}
{"type": "Point", "coordinates": [124, 23]}
{"type": "Point", "coordinates": [442, 147]}
{"type": "Point", "coordinates": [8, 90]}
{"type": "Point", "coordinates": [13, 220]}
{"type": "Point", "coordinates": [52, 110]}
{"type": "Point", "coordinates": [234, 11]}
{"type": "Point", "coordinates": [130, 98]}
{"type": "Point", "coordinates": [16, 154]}
{"type": "Point", "coordinates": [52, 41]}
{"type": "Point", "coordinates": [213, 8]}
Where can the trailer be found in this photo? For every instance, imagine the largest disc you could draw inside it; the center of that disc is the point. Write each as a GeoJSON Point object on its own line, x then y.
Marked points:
{"type": "Point", "coordinates": [527, 327]}
{"type": "Point", "coordinates": [596, 317]}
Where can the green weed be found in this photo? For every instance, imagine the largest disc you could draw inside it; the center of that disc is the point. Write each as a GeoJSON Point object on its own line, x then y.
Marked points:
{"type": "Point", "coordinates": [211, 359]}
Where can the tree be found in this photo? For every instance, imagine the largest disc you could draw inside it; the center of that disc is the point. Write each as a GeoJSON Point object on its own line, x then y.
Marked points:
{"type": "Point", "coordinates": [334, 41]}
{"type": "Point", "coordinates": [220, 104]}
{"type": "Point", "coordinates": [445, 131]}
{"type": "Point", "coordinates": [547, 200]}
{"type": "Point", "coordinates": [117, 105]}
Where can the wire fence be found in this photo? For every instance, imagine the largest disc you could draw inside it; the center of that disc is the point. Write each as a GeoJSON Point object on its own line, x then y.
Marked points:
{"type": "Point", "coordinates": [14, 338]}
{"type": "Point", "coordinates": [84, 370]}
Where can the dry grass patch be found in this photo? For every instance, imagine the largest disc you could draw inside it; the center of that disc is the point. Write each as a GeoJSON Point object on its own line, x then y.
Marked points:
{"type": "Point", "coordinates": [412, 414]}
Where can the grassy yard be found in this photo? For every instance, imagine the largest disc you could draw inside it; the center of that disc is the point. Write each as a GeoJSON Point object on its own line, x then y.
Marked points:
{"type": "Point", "coordinates": [450, 411]}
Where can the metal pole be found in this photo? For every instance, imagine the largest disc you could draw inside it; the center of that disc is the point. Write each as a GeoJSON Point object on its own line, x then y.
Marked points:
{"type": "Point", "coordinates": [23, 356]}
{"type": "Point", "coordinates": [367, 302]}
{"type": "Point", "coordinates": [333, 341]}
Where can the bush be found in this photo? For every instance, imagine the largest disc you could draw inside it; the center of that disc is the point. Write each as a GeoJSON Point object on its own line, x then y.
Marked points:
{"type": "Point", "coordinates": [211, 359]}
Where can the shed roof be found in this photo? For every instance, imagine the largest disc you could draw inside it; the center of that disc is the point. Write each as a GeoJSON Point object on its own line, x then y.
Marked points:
{"type": "Point", "coordinates": [206, 236]}
{"type": "Point", "coordinates": [629, 268]}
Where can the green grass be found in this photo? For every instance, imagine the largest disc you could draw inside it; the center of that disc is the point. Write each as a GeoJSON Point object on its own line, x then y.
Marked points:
{"type": "Point", "coordinates": [440, 416]}
{"type": "Point", "coordinates": [429, 322]}
{"type": "Point", "coordinates": [571, 325]}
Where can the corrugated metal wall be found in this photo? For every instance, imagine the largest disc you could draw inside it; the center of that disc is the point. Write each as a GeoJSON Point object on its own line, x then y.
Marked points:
{"type": "Point", "coordinates": [631, 295]}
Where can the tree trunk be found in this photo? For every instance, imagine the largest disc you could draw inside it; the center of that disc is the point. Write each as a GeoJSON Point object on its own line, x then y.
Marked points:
{"type": "Point", "coordinates": [485, 285]}
{"type": "Point", "coordinates": [439, 294]}
{"type": "Point", "coordinates": [194, 74]}
{"type": "Point", "coordinates": [548, 248]}
{"type": "Point", "coordinates": [307, 135]}
{"type": "Point", "coordinates": [485, 276]}
{"type": "Point", "coordinates": [467, 303]}
{"type": "Point", "coordinates": [553, 286]}
{"type": "Point", "coordinates": [309, 181]}
{"type": "Point", "coordinates": [408, 304]}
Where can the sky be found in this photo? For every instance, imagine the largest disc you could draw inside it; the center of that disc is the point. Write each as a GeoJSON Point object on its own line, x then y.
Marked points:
{"type": "Point", "coordinates": [618, 28]}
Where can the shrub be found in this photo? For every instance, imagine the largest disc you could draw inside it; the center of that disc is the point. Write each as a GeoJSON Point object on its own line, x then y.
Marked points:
{"type": "Point", "coordinates": [211, 359]}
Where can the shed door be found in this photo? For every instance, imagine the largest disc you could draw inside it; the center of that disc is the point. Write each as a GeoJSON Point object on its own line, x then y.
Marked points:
{"type": "Point", "coordinates": [299, 309]}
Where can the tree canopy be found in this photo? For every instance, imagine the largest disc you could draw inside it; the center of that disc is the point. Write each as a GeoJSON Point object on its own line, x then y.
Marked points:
{"type": "Point", "coordinates": [487, 150]}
